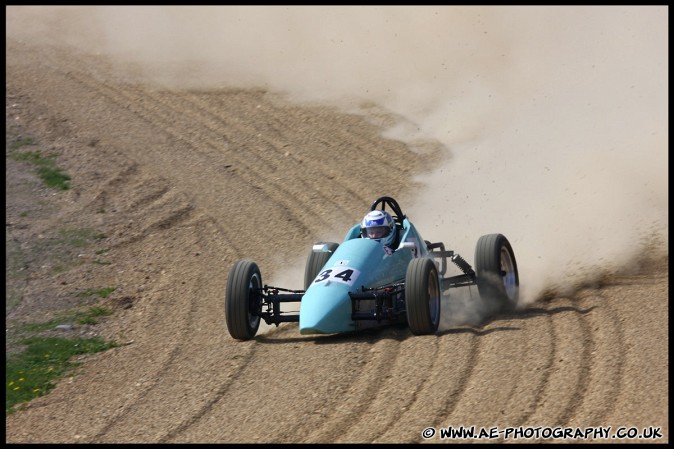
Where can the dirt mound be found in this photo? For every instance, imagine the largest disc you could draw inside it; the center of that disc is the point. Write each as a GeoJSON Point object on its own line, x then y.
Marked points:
{"type": "Point", "coordinates": [177, 185]}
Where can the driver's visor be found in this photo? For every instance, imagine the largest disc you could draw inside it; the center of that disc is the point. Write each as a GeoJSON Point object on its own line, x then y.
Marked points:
{"type": "Point", "coordinates": [376, 232]}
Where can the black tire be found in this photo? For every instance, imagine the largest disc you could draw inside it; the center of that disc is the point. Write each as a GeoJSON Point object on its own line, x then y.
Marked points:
{"type": "Point", "coordinates": [316, 261]}
{"type": "Point", "coordinates": [242, 304]}
{"type": "Point", "coordinates": [422, 296]}
{"type": "Point", "coordinates": [497, 276]}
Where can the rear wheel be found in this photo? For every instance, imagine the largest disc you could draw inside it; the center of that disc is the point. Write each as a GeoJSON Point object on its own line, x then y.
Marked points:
{"type": "Point", "coordinates": [497, 277]}
{"type": "Point", "coordinates": [422, 296]}
{"type": "Point", "coordinates": [316, 261]}
{"type": "Point", "coordinates": [243, 303]}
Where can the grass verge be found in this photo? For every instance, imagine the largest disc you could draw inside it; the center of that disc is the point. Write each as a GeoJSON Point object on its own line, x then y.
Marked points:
{"type": "Point", "coordinates": [32, 373]}
{"type": "Point", "coordinates": [102, 292]}
{"type": "Point", "coordinates": [52, 175]}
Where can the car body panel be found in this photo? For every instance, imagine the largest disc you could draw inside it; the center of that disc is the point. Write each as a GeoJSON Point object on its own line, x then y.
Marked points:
{"type": "Point", "coordinates": [358, 262]}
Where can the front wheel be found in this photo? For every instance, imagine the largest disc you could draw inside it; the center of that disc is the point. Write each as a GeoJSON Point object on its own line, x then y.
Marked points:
{"type": "Point", "coordinates": [242, 300]}
{"type": "Point", "coordinates": [422, 296]}
{"type": "Point", "coordinates": [316, 261]}
{"type": "Point", "coordinates": [497, 276]}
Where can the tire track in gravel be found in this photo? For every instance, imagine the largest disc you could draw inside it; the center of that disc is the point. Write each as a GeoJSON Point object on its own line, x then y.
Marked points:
{"type": "Point", "coordinates": [488, 372]}
{"type": "Point", "coordinates": [484, 369]}
{"type": "Point", "coordinates": [599, 373]}
{"type": "Point", "coordinates": [140, 199]}
{"type": "Point", "coordinates": [327, 138]}
{"type": "Point", "coordinates": [80, 69]}
{"type": "Point", "coordinates": [572, 357]}
{"type": "Point", "coordinates": [493, 375]}
{"type": "Point", "coordinates": [541, 339]}
{"type": "Point", "coordinates": [117, 368]}
{"type": "Point", "coordinates": [637, 305]}
{"type": "Point", "coordinates": [136, 104]}
{"type": "Point", "coordinates": [544, 356]}
{"type": "Point", "coordinates": [157, 116]}
{"type": "Point", "coordinates": [120, 190]}
{"type": "Point", "coordinates": [585, 357]}
{"type": "Point", "coordinates": [136, 99]}
{"type": "Point", "coordinates": [153, 193]}
{"type": "Point", "coordinates": [185, 423]}
{"type": "Point", "coordinates": [355, 364]}
{"type": "Point", "coordinates": [270, 154]}
{"type": "Point", "coordinates": [143, 197]}
{"type": "Point", "coordinates": [175, 382]}
{"type": "Point", "coordinates": [335, 192]}
{"type": "Point", "coordinates": [356, 403]}
{"type": "Point", "coordinates": [453, 363]}
{"type": "Point", "coordinates": [208, 135]}
{"type": "Point", "coordinates": [402, 387]}
{"type": "Point", "coordinates": [121, 425]}
{"type": "Point", "coordinates": [608, 359]}
{"type": "Point", "coordinates": [158, 299]}
{"type": "Point", "coordinates": [100, 200]}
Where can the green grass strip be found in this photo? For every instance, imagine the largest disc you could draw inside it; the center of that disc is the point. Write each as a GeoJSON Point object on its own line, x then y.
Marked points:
{"type": "Point", "coordinates": [33, 372]}
{"type": "Point", "coordinates": [47, 170]}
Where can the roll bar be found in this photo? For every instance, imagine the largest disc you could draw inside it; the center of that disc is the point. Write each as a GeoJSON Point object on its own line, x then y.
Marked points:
{"type": "Point", "coordinates": [393, 204]}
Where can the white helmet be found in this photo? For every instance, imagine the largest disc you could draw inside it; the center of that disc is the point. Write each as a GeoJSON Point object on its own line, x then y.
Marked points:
{"type": "Point", "coordinates": [379, 225]}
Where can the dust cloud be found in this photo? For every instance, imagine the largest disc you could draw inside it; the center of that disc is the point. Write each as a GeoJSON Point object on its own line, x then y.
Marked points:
{"type": "Point", "coordinates": [553, 118]}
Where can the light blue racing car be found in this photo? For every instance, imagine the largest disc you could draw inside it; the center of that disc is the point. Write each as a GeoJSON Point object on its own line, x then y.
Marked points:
{"type": "Point", "coordinates": [363, 282]}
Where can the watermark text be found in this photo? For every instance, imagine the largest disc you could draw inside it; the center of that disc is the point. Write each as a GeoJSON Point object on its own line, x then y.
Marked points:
{"type": "Point", "coordinates": [541, 433]}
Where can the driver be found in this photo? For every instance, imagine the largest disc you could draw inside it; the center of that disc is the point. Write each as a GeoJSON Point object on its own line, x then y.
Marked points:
{"type": "Point", "coordinates": [379, 225]}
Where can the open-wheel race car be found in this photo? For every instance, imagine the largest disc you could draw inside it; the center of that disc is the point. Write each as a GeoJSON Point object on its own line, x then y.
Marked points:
{"type": "Point", "coordinates": [365, 282]}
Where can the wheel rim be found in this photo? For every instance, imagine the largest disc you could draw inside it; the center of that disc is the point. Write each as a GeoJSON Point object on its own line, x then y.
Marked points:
{"type": "Point", "coordinates": [254, 301]}
{"type": "Point", "coordinates": [509, 275]}
{"type": "Point", "coordinates": [433, 297]}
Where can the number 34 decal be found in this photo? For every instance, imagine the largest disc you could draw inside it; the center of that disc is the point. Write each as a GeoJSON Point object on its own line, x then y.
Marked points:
{"type": "Point", "coordinates": [338, 274]}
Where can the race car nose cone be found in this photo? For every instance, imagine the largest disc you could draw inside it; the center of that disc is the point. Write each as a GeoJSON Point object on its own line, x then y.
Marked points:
{"type": "Point", "coordinates": [325, 309]}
